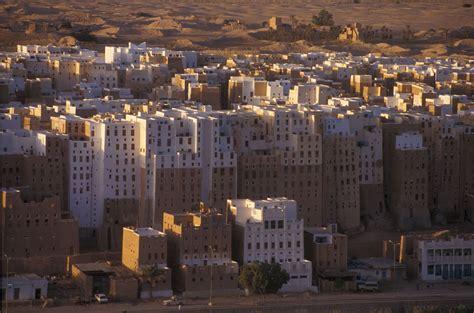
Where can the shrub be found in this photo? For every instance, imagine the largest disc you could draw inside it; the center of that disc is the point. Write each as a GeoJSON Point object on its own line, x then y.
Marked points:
{"type": "Point", "coordinates": [143, 14]}
{"type": "Point", "coordinates": [324, 18]}
{"type": "Point", "coordinates": [261, 278]}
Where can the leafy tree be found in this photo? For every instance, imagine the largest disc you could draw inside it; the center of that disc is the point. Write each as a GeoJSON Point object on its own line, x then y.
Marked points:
{"type": "Point", "coordinates": [263, 277]}
{"type": "Point", "coordinates": [250, 279]}
{"type": "Point", "coordinates": [277, 277]}
{"type": "Point", "coordinates": [324, 18]}
{"type": "Point", "coordinates": [151, 274]}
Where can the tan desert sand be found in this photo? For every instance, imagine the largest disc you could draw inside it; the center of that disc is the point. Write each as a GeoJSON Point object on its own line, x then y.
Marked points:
{"type": "Point", "coordinates": [230, 25]}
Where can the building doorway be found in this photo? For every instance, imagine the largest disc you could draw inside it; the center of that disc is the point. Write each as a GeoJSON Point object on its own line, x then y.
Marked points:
{"type": "Point", "coordinates": [38, 293]}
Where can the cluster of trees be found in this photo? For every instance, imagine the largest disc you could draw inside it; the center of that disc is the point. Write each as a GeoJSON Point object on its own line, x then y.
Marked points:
{"type": "Point", "coordinates": [263, 277]}
{"type": "Point", "coordinates": [256, 277]}
{"type": "Point", "coordinates": [302, 32]}
{"type": "Point", "coordinates": [324, 18]}
{"type": "Point", "coordinates": [298, 31]}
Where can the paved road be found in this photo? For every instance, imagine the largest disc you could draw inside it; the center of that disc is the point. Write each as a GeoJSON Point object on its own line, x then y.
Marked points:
{"type": "Point", "coordinates": [324, 303]}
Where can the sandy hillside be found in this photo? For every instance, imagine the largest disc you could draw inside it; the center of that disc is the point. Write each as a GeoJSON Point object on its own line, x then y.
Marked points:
{"type": "Point", "coordinates": [229, 25]}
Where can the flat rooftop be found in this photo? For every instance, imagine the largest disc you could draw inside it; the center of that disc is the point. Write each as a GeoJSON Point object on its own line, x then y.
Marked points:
{"type": "Point", "coordinates": [23, 279]}
{"type": "Point", "coordinates": [374, 263]}
{"type": "Point", "coordinates": [94, 268]}
{"type": "Point", "coordinates": [148, 232]}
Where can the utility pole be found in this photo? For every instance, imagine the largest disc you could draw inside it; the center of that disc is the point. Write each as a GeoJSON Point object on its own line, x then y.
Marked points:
{"type": "Point", "coordinates": [7, 286]}
{"type": "Point", "coordinates": [211, 251]}
{"type": "Point", "coordinates": [4, 255]}
{"type": "Point", "coordinates": [210, 283]}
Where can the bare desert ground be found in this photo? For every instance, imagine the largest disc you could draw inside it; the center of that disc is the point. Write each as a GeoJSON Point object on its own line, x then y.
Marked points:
{"type": "Point", "coordinates": [228, 26]}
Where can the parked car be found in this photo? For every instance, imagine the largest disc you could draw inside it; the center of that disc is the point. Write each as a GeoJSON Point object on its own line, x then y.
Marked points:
{"type": "Point", "coordinates": [368, 286]}
{"type": "Point", "coordinates": [173, 301]}
{"type": "Point", "coordinates": [101, 298]}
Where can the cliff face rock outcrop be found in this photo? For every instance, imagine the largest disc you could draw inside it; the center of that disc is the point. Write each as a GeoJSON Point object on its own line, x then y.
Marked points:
{"type": "Point", "coordinates": [67, 41]}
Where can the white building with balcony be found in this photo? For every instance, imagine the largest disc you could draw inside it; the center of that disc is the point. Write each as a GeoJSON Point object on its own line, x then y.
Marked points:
{"type": "Point", "coordinates": [442, 259]}
{"type": "Point", "coordinates": [269, 231]}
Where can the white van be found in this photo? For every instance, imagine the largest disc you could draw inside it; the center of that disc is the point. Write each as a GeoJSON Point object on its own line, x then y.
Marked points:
{"type": "Point", "coordinates": [368, 286]}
